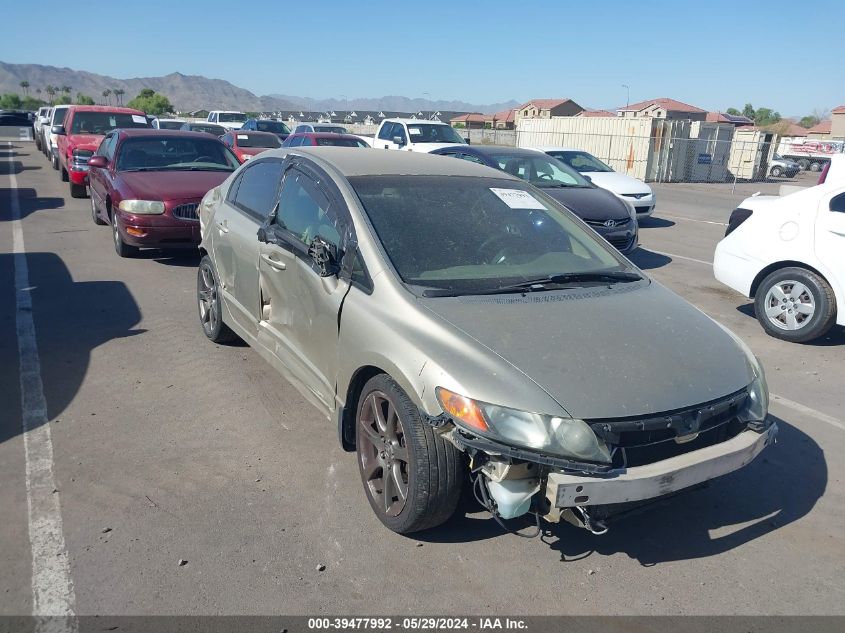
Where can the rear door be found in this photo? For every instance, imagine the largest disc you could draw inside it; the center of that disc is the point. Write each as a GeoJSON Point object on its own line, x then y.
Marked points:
{"type": "Point", "coordinates": [300, 307]}
{"type": "Point", "coordinates": [830, 238]}
{"type": "Point", "coordinates": [250, 201]}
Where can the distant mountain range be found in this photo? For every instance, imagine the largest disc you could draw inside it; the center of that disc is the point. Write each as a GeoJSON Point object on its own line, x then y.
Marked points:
{"type": "Point", "coordinates": [194, 92]}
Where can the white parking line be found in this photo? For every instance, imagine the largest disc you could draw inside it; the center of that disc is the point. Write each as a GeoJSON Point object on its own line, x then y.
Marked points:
{"type": "Point", "coordinates": [808, 411]}
{"type": "Point", "coordinates": [673, 256]}
{"type": "Point", "coordinates": [680, 217]}
{"type": "Point", "coordinates": [52, 587]}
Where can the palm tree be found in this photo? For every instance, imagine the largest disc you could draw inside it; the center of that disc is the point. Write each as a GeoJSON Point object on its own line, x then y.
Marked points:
{"type": "Point", "coordinates": [50, 90]}
{"type": "Point", "coordinates": [66, 89]}
{"type": "Point", "coordinates": [38, 92]}
{"type": "Point", "coordinates": [25, 86]}
{"type": "Point", "coordinates": [106, 94]}
{"type": "Point", "coordinates": [118, 94]}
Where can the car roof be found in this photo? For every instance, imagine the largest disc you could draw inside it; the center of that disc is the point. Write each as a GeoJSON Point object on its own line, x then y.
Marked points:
{"type": "Point", "coordinates": [357, 161]}
{"type": "Point", "coordinates": [557, 148]}
{"type": "Point", "coordinates": [313, 123]}
{"type": "Point", "coordinates": [147, 132]}
{"type": "Point", "coordinates": [96, 108]}
{"type": "Point", "coordinates": [226, 112]}
{"type": "Point", "coordinates": [322, 135]}
{"type": "Point", "coordinates": [498, 150]}
{"type": "Point", "coordinates": [413, 121]}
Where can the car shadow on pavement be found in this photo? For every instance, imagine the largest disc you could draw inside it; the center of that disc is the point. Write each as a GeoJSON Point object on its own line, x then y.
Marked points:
{"type": "Point", "coordinates": [29, 202]}
{"type": "Point", "coordinates": [654, 223]}
{"type": "Point", "coordinates": [71, 319]}
{"type": "Point", "coordinates": [776, 489]}
{"type": "Point", "coordinates": [647, 260]}
{"type": "Point", "coordinates": [184, 258]}
{"type": "Point", "coordinates": [835, 337]}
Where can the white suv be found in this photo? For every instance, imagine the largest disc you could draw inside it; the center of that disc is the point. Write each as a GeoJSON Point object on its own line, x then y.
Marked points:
{"type": "Point", "coordinates": [50, 147]}
{"type": "Point", "coordinates": [788, 254]}
{"type": "Point", "coordinates": [230, 119]}
{"type": "Point", "coordinates": [414, 135]}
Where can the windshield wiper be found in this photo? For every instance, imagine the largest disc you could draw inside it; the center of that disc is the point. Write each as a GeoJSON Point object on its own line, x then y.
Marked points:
{"type": "Point", "coordinates": [552, 282]}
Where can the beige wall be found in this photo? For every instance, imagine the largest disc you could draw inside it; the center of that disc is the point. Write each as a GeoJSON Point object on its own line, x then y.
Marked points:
{"type": "Point", "coordinates": [837, 125]}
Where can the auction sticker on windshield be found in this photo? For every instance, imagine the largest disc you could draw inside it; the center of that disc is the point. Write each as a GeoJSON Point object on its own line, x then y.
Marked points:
{"type": "Point", "coordinates": [414, 131]}
{"type": "Point", "coordinates": [517, 199]}
{"type": "Point", "coordinates": [243, 137]}
{"type": "Point", "coordinates": [137, 118]}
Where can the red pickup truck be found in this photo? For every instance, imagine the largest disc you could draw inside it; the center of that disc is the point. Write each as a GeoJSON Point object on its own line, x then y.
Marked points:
{"type": "Point", "coordinates": [80, 136]}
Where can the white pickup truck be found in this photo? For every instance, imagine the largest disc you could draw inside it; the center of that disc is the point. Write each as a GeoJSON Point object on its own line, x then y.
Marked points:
{"type": "Point", "coordinates": [415, 135]}
{"type": "Point", "coordinates": [230, 119]}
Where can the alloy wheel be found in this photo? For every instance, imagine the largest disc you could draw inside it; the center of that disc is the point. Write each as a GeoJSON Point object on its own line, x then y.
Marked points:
{"type": "Point", "coordinates": [383, 453]}
{"type": "Point", "coordinates": [790, 305]}
{"type": "Point", "coordinates": [207, 297]}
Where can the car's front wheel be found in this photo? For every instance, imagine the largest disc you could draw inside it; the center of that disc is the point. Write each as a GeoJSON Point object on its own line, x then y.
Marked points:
{"type": "Point", "coordinates": [94, 215]}
{"type": "Point", "coordinates": [210, 307]}
{"type": "Point", "coordinates": [776, 172]}
{"type": "Point", "coordinates": [795, 304]}
{"type": "Point", "coordinates": [120, 247]}
{"type": "Point", "coordinates": [412, 477]}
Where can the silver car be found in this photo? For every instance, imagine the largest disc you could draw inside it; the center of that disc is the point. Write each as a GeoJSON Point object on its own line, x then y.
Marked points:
{"type": "Point", "coordinates": [454, 322]}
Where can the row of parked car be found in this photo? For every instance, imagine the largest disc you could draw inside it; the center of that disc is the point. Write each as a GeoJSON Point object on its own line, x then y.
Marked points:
{"type": "Point", "coordinates": [428, 306]}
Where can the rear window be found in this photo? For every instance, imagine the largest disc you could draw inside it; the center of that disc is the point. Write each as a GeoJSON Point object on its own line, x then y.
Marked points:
{"type": "Point", "coordinates": [342, 142]}
{"type": "Point", "coordinates": [105, 122]}
{"type": "Point", "coordinates": [169, 125]}
{"type": "Point", "coordinates": [334, 129]}
{"type": "Point", "coordinates": [231, 117]}
{"type": "Point", "coordinates": [276, 127]}
{"type": "Point", "coordinates": [210, 129]}
{"type": "Point", "coordinates": [258, 140]}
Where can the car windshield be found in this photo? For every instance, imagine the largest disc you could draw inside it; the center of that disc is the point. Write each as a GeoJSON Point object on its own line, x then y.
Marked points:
{"type": "Point", "coordinates": [433, 133]}
{"type": "Point", "coordinates": [342, 142]}
{"type": "Point", "coordinates": [276, 127]}
{"type": "Point", "coordinates": [540, 170]}
{"type": "Point", "coordinates": [333, 129]}
{"type": "Point", "coordinates": [257, 140]}
{"type": "Point", "coordinates": [169, 125]}
{"type": "Point", "coordinates": [210, 129]}
{"type": "Point", "coordinates": [105, 122]}
{"type": "Point", "coordinates": [59, 116]}
{"type": "Point", "coordinates": [174, 153]}
{"type": "Point", "coordinates": [579, 161]}
{"type": "Point", "coordinates": [481, 233]}
{"type": "Point", "coordinates": [231, 117]}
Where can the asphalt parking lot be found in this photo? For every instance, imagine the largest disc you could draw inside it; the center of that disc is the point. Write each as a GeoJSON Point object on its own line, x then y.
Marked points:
{"type": "Point", "coordinates": [166, 447]}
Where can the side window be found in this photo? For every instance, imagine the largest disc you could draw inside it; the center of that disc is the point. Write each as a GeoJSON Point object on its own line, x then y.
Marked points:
{"type": "Point", "coordinates": [359, 275]}
{"type": "Point", "coordinates": [837, 204]}
{"type": "Point", "coordinates": [111, 147]}
{"type": "Point", "coordinates": [296, 141]}
{"type": "Point", "coordinates": [471, 158]}
{"type": "Point", "coordinates": [102, 150]}
{"type": "Point", "coordinates": [256, 195]}
{"type": "Point", "coordinates": [213, 117]}
{"type": "Point", "coordinates": [304, 211]}
{"type": "Point", "coordinates": [384, 132]}
{"type": "Point", "coordinates": [298, 129]}
{"type": "Point", "coordinates": [399, 130]}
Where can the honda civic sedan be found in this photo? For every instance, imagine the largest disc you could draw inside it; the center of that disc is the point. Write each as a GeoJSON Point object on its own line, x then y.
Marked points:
{"type": "Point", "coordinates": [454, 322]}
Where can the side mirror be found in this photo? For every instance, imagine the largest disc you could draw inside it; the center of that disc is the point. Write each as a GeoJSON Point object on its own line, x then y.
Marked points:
{"type": "Point", "coordinates": [586, 177]}
{"type": "Point", "coordinates": [58, 130]}
{"type": "Point", "coordinates": [324, 257]}
{"type": "Point", "coordinates": [100, 162]}
{"type": "Point", "coordinates": [399, 141]}
{"type": "Point", "coordinates": [468, 141]}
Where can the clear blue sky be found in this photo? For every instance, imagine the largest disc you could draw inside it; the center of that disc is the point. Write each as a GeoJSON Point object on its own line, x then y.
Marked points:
{"type": "Point", "coordinates": [787, 55]}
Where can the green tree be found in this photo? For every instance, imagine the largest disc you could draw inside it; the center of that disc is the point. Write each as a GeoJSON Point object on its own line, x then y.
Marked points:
{"type": "Point", "coordinates": [106, 94]}
{"type": "Point", "coordinates": [64, 100]}
{"type": "Point", "coordinates": [51, 91]}
{"type": "Point", "coordinates": [25, 86]}
{"type": "Point", "coordinates": [766, 116]}
{"type": "Point", "coordinates": [151, 102]}
{"type": "Point", "coordinates": [118, 93]}
{"type": "Point", "coordinates": [733, 112]}
{"type": "Point", "coordinates": [31, 103]}
{"type": "Point", "coordinates": [809, 121]}
{"type": "Point", "coordinates": [748, 111]}
{"type": "Point", "coordinates": [82, 99]}
{"type": "Point", "coordinates": [10, 101]}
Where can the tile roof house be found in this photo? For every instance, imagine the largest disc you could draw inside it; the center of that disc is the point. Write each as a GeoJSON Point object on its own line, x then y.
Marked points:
{"type": "Point", "coordinates": [663, 108]}
{"type": "Point", "coordinates": [546, 109]}
{"type": "Point", "coordinates": [503, 120]}
{"type": "Point", "coordinates": [596, 113]}
{"type": "Point", "coordinates": [821, 130]}
{"type": "Point", "coordinates": [837, 122]}
{"type": "Point", "coordinates": [470, 121]}
{"type": "Point", "coordinates": [734, 119]}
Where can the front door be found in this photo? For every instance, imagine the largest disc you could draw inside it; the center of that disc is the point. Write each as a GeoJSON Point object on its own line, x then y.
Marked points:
{"type": "Point", "coordinates": [830, 238]}
{"type": "Point", "coordinates": [299, 307]}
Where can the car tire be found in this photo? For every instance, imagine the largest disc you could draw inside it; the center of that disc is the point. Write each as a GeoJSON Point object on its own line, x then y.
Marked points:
{"type": "Point", "coordinates": [120, 247]}
{"type": "Point", "coordinates": [210, 305]}
{"type": "Point", "coordinates": [815, 167]}
{"type": "Point", "coordinates": [94, 215]}
{"type": "Point", "coordinates": [78, 191]}
{"type": "Point", "coordinates": [804, 164]}
{"type": "Point", "coordinates": [392, 437]}
{"type": "Point", "coordinates": [64, 174]}
{"type": "Point", "coordinates": [778, 297]}
{"type": "Point", "coordinates": [38, 142]}
{"type": "Point", "coordinates": [776, 172]}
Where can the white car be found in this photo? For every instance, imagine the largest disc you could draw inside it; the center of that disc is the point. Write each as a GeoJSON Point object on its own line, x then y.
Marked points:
{"type": "Point", "coordinates": [168, 124]}
{"type": "Point", "coordinates": [414, 135]}
{"type": "Point", "coordinates": [331, 128]}
{"type": "Point", "coordinates": [50, 148]}
{"type": "Point", "coordinates": [230, 119]}
{"type": "Point", "coordinates": [40, 117]}
{"type": "Point", "coordinates": [788, 254]}
{"type": "Point", "coordinates": [635, 191]}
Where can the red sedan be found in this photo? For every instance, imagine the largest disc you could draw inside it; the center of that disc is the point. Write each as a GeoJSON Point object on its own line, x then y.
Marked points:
{"type": "Point", "coordinates": [311, 139]}
{"type": "Point", "coordinates": [148, 184]}
{"type": "Point", "coordinates": [248, 144]}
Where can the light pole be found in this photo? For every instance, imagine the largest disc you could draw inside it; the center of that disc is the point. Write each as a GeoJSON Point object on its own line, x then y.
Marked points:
{"type": "Point", "coordinates": [427, 96]}
{"type": "Point", "coordinates": [627, 95]}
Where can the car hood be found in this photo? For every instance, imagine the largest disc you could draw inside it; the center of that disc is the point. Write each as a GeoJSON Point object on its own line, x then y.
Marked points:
{"type": "Point", "coordinates": [172, 185]}
{"type": "Point", "coordinates": [631, 350]}
{"type": "Point", "coordinates": [252, 151]}
{"type": "Point", "coordinates": [591, 203]}
{"type": "Point", "coordinates": [620, 184]}
{"type": "Point", "coordinates": [85, 141]}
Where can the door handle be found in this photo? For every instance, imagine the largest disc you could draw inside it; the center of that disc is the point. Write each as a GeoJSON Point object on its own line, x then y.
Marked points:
{"type": "Point", "coordinates": [221, 226]}
{"type": "Point", "coordinates": [274, 263]}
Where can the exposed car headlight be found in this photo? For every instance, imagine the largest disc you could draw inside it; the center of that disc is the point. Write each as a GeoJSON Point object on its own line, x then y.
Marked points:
{"type": "Point", "coordinates": [247, 156]}
{"type": "Point", "coordinates": [142, 207]}
{"type": "Point", "coordinates": [566, 437]}
{"type": "Point", "coordinates": [757, 406]}
{"type": "Point", "coordinates": [82, 153]}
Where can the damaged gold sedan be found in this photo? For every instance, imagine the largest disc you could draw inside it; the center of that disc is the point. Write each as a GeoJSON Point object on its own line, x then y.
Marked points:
{"type": "Point", "coordinates": [456, 322]}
